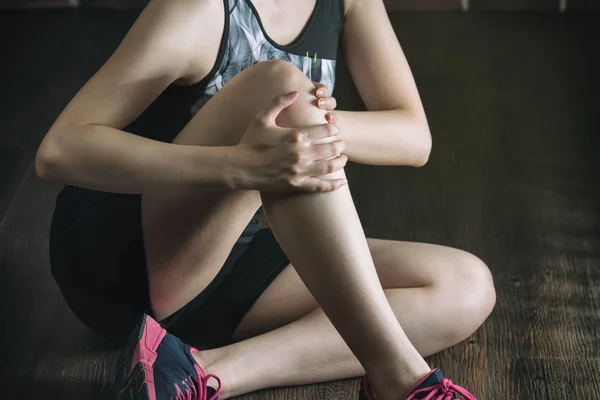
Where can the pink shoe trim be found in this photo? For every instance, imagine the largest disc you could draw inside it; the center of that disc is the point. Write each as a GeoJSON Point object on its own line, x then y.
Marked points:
{"type": "Point", "coordinates": [145, 352]}
{"type": "Point", "coordinates": [423, 380]}
{"type": "Point", "coordinates": [444, 390]}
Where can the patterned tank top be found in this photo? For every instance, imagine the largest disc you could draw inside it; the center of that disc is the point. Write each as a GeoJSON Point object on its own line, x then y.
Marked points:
{"type": "Point", "coordinates": [245, 41]}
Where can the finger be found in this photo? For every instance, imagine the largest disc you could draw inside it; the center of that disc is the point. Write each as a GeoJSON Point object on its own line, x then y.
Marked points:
{"type": "Point", "coordinates": [323, 167]}
{"type": "Point", "coordinates": [331, 117]}
{"type": "Point", "coordinates": [318, 132]}
{"type": "Point", "coordinates": [322, 90]}
{"type": "Point", "coordinates": [270, 113]}
{"type": "Point", "coordinates": [322, 185]}
{"type": "Point", "coordinates": [328, 150]}
{"type": "Point", "coordinates": [338, 183]}
{"type": "Point", "coordinates": [327, 103]}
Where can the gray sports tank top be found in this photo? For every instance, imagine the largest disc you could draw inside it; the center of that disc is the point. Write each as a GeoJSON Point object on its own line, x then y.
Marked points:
{"type": "Point", "coordinates": [245, 41]}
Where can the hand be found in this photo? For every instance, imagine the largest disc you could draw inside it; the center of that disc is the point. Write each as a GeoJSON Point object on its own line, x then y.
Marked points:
{"type": "Point", "coordinates": [325, 102]}
{"type": "Point", "coordinates": [284, 159]}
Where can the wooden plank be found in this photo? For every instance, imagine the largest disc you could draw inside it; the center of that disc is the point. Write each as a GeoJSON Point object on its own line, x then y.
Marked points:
{"type": "Point", "coordinates": [547, 379]}
{"type": "Point", "coordinates": [513, 178]}
{"type": "Point", "coordinates": [572, 379]}
{"type": "Point", "coordinates": [346, 389]}
{"type": "Point", "coordinates": [62, 356]}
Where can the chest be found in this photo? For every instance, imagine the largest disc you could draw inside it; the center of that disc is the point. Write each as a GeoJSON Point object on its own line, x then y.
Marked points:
{"type": "Point", "coordinates": [284, 20]}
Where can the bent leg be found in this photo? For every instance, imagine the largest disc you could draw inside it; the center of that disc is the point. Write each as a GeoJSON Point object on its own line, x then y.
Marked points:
{"type": "Point", "coordinates": [439, 295]}
{"type": "Point", "coordinates": [189, 234]}
{"type": "Point", "coordinates": [322, 235]}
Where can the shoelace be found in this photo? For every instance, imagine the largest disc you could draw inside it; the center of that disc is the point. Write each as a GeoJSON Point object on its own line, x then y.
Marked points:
{"type": "Point", "coordinates": [445, 390]}
{"type": "Point", "coordinates": [200, 388]}
{"type": "Point", "coordinates": [202, 384]}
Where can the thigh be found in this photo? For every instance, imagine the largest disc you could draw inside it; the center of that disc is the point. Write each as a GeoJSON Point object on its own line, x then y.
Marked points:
{"type": "Point", "coordinates": [398, 264]}
{"type": "Point", "coordinates": [188, 234]}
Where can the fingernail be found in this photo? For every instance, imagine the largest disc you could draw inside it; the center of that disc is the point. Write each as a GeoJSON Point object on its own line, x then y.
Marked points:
{"type": "Point", "coordinates": [321, 92]}
{"type": "Point", "coordinates": [321, 102]}
{"type": "Point", "coordinates": [344, 182]}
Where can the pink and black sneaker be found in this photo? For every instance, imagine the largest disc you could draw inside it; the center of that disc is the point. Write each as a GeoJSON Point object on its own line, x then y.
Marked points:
{"type": "Point", "coordinates": [156, 365]}
{"type": "Point", "coordinates": [433, 387]}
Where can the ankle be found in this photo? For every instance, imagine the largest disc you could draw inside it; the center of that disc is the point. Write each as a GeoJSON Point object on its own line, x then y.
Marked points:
{"type": "Point", "coordinates": [397, 386]}
{"type": "Point", "coordinates": [209, 361]}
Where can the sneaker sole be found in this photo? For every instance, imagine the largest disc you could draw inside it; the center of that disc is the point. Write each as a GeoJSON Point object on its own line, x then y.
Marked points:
{"type": "Point", "coordinates": [135, 375]}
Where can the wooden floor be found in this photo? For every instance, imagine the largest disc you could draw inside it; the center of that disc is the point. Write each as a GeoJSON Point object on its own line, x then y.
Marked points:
{"type": "Point", "coordinates": [514, 177]}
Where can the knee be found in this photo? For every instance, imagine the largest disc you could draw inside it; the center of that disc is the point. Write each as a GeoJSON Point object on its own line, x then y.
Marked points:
{"type": "Point", "coordinates": [304, 111]}
{"type": "Point", "coordinates": [284, 77]}
{"type": "Point", "coordinates": [472, 290]}
{"type": "Point", "coordinates": [279, 76]}
{"type": "Point", "coordinates": [281, 72]}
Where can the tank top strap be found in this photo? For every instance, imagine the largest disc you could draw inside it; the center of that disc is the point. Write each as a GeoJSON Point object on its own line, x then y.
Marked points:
{"type": "Point", "coordinates": [322, 37]}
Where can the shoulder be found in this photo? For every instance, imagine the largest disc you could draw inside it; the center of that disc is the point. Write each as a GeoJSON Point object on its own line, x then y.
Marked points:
{"type": "Point", "coordinates": [182, 19]}
{"type": "Point", "coordinates": [189, 30]}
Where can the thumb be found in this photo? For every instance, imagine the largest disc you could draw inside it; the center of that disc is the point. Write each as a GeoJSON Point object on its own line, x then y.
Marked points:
{"type": "Point", "coordinates": [277, 105]}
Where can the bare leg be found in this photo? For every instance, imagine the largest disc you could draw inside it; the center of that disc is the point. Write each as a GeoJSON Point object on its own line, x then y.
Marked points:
{"type": "Point", "coordinates": [421, 283]}
{"type": "Point", "coordinates": [189, 235]}
{"type": "Point", "coordinates": [322, 235]}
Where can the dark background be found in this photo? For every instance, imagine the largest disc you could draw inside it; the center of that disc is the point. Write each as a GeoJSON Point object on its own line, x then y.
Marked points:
{"type": "Point", "coordinates": [514, 177]}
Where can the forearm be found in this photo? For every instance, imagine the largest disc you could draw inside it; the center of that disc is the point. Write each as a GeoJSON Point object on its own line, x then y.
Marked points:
{"type": "Point", "coordinates": [101, 158]}
{"type": "Point", "coordinates": [394, 137]}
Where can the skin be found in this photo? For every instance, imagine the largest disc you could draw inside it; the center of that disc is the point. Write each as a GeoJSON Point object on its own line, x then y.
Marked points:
{"type": "Point", "coordinates": [280, 151]}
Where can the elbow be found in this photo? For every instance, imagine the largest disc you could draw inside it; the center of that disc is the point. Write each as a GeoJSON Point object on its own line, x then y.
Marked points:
{"type": "Point", "coordinates": [423, 150]}
{"type": "Point", "coordinates": [48, 160]}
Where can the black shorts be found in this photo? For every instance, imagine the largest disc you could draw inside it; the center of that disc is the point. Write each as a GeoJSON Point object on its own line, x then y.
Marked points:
{"type": "Point", "coordinates": [98, 261]}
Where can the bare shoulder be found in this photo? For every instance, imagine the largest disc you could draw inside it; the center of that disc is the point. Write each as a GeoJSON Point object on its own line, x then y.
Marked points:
{"type": "Point", "coordinates": [171, 41]}
{"type": "Point", "coordinates": [191, 29]}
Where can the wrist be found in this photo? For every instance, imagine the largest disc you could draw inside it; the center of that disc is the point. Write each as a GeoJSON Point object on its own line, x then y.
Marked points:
{"type": "Point", "coordinates": [212, 167]}
{"type": "Point", "coordinates": [236, 168]}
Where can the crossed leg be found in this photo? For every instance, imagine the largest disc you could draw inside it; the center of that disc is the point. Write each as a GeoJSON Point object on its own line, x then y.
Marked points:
{"type": "Point", "coordinates": [439, 294]}
{"type": "Point", "coordinates": [188, 235]}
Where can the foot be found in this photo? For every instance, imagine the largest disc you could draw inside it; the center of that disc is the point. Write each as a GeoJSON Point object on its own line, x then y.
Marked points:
{"type": "Point", "coordinates": [433, 387]}
{"type": "Point", "coordinates": [156, 365]}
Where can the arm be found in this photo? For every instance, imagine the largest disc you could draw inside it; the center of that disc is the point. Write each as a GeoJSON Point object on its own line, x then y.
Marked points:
{"type": "Point", "coordinates": [394, 130]}
{"type": "Point", "coordinates": [86, 146]}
